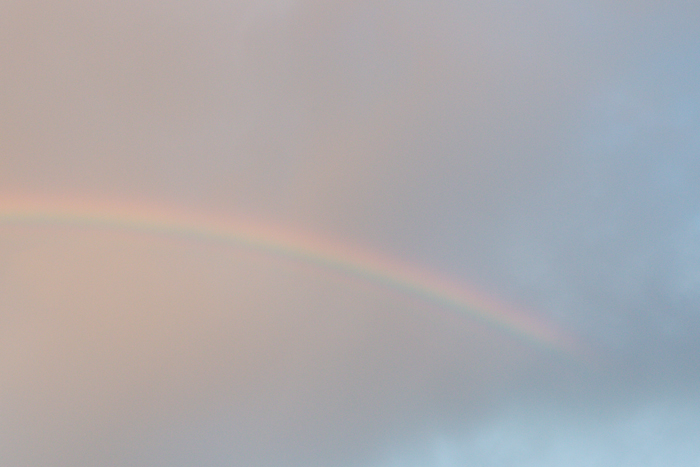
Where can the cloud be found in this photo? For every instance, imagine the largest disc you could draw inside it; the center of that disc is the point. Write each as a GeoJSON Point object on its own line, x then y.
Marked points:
{"type": "Point", "coordinates": [660, 433]}
{"type": "Point", "coordinates": [543, 150]}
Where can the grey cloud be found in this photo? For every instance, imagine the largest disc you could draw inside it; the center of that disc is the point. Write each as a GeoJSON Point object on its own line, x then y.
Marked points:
{"type": "Point", "coordinates": [547, 151]}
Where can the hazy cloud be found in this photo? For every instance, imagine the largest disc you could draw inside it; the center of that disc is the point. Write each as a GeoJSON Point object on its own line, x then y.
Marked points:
{"type": "Point", "coordinates": [547, 151]}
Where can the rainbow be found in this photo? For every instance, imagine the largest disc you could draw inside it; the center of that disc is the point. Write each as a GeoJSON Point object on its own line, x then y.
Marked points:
{"type": "Point", "coordinates": [304, 247]}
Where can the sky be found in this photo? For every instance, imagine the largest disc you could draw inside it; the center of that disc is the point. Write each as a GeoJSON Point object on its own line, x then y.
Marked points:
{"type": "Point", "coordinates": [545, 154]}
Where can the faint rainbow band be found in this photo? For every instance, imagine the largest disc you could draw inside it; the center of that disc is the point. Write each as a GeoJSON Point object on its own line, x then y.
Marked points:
{"type": "Point", "coordinates": [304, 247]}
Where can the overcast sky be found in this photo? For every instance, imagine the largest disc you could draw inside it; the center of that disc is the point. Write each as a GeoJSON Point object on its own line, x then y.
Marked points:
{"type": "Point", "coordinates": [545, 152]}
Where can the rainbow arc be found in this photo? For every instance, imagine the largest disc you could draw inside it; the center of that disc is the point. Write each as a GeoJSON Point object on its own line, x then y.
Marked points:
{"type": "Point", "coordinates": [303, 247]}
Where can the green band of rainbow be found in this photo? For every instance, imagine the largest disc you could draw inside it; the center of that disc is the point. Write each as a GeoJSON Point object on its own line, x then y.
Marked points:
{"type": "Point", "coordinates": [285, 242]}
